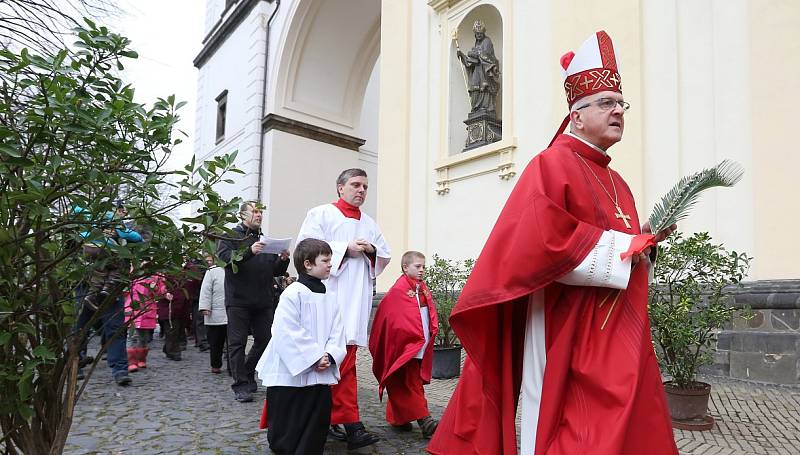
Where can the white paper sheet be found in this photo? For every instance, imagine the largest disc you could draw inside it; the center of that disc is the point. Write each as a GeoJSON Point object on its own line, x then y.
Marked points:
{"type": "Point", "coordinates": [275, 246]}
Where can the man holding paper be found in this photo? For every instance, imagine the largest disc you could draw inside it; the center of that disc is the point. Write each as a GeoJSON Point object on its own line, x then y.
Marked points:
{"type": "Point", "coordinates": [248, 296]}
{"type": "Point", "coordinates": [359, 255]}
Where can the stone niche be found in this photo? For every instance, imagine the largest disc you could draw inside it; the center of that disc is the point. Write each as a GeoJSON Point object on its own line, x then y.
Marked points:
{"type": "Point", "coordinates": [466, 131]}
{"type": "Point", "coordinates": [491, 148]}
{"type": "Point", "coordinates": [765, 347]}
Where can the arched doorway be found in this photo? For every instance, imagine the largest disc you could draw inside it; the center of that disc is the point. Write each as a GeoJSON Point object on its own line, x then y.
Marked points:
{"type": "Point", "coordinates": [322, 107]}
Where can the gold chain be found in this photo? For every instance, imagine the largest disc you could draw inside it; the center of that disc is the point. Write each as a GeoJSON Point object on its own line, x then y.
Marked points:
{"type": "Point", "coordinates": [615, 199]}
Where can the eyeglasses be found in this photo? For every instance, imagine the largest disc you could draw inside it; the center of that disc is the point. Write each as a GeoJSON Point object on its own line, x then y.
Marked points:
{"type": "Point", "coordinates": [606, 104]}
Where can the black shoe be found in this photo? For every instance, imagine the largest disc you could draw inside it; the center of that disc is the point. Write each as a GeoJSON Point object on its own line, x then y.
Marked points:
{"type": "Point", "coordinates": [252, 386]}
{"type": "Point", "coordinates": [244, 396]}
{"type": "Point", "coordinates": [203, 347]}
{"type": "Point", "coordinates": [122, 380]}
{"type": "Point", "coordinates": [81, 374]}
{"type": "Point", "coordinates": [337, 432]}
{"type": "Point", "coordinates": [85, 361]}
{"type": "Point", "coordinates": [175, 357]}
{"type": "Point", "coordinates": [404, 427]}
{"type": "Point", "coordinates": [358, 437]}
{"type": "Point", "coordinates": [428, 426]}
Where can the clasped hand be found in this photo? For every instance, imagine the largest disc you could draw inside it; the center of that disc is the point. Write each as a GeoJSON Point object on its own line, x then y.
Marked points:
{"type": "Point", "coordinates": [324, 363]}
{"type": "Point", "coordinates": [358, 246]}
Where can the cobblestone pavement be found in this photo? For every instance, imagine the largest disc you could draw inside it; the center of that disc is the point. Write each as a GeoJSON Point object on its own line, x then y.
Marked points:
{"type": "Point", "coordinates": [181, 408]}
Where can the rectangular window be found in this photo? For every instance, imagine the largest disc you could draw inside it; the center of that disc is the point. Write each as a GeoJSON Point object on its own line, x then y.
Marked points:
{"type": "Point", "coordinates": [222, 106]}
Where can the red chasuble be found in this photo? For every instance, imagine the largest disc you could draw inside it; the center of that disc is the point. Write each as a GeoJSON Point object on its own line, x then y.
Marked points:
{"type": "Point", "coordinates": [602, 391]}
{"type": "Point", "coordinates": [397, 335]}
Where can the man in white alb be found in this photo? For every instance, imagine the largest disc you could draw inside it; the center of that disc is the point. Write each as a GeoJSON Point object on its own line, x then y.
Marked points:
{"type": "Point", "coordinates": [359, 255]}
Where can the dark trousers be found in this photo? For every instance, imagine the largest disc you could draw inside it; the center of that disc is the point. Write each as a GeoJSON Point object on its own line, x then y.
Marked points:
{"type": "Point", "coordinates": [198, 326]}
{"type": "Point", "coordinates": [111, 320]}
{"type": "Point", "coordinates": [172, 340]}
{"type": "Point", "coordinates": [241, 322]}
{"type": "Point", "coordinates": [298, 419]}
{"type": "Point", "coordinates": [216, 342]}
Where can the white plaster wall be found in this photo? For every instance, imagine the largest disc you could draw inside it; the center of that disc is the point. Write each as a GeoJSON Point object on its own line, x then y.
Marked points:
{"type": "Point", "coordinates": [367, 129]}
{"type": "Point", "coordinates": [302, 175]}
{"type": "Point", "coordinates": [278, 49]}
{"type": "Point", "coordinates": [421, 119]}
{"type": "Point", "coordinates": [322, 56]}
{"type": "Point", "coordinates": [237, 66]}
{"type": "Point", "coordinates": [697, 112]}
{"type": "Point", "coordinates": [774, 65]}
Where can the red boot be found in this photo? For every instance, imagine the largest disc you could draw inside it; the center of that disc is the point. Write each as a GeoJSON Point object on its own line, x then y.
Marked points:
{"type": "Point", "coordinates": [143, 357]}
{"type": "Point", "coordinates": [133, 359]}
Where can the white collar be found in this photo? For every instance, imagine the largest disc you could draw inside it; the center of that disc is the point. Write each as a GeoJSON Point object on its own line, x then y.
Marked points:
{"type": "Point", "coordinates": [587, 143]}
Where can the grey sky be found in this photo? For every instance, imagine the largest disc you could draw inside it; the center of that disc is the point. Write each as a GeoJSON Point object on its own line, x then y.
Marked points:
{"type": "Point", "coordinates": [167, 35]}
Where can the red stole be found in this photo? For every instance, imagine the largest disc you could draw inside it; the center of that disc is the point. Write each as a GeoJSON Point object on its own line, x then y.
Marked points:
{"type": "Point", "coordinates": [397, 334]}
{"type": "Point", "coordinates": [348, 210]}
{"type": "Point", "coordinates": [602, 390]}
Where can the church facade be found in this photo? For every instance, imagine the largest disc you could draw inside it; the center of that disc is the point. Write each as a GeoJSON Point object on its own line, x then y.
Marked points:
{"type": "Point", "coordinates": [306, 88]}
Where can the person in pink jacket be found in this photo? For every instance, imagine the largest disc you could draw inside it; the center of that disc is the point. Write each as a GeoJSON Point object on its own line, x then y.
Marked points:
{"type": "Point", "coordinates": [141, 315]}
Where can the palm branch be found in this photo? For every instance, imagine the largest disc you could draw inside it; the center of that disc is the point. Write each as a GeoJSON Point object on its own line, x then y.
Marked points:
{"type": "Point", "coordinates": [675, 205]}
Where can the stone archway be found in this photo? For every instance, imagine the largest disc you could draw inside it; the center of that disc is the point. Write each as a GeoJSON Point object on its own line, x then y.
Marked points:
{"type": "Point", "coordinates": [322, 106]}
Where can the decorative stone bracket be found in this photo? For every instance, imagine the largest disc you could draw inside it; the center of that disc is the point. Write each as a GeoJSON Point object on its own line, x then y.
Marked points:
{"type": "Point", "coordinates": [497, 157]}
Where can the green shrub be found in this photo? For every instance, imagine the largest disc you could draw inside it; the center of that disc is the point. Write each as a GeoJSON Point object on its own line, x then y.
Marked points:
{"type": "Point", "coordinates": [689, 302]}
{"type": "Point", "coordinates": [446, 278]}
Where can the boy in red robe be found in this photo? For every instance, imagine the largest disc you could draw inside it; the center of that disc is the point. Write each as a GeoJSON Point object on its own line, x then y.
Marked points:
{"type": "Point", "coordinates": [402, 349]}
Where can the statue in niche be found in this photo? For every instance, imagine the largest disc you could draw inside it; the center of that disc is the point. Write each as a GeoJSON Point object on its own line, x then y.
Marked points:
{"type": "Point", "coordinates": [481, 71]}
{"type": "Point", "coordinates": [482, 67]}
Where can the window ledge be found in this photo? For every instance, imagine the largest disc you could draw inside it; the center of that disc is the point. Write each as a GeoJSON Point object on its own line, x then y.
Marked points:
{"type": "Point", "coordinates": [495, 157]}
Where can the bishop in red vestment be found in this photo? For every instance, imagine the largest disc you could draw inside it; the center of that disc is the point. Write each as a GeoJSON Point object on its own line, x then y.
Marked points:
{"type": "Point", "coordinates": [401, 344]}
{"type": "Point", "coordinates": [551, 312]}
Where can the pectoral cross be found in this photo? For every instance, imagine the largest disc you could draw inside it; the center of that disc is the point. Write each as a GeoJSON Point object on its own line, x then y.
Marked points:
{"type": "Point", "coordinates": [623, 217]}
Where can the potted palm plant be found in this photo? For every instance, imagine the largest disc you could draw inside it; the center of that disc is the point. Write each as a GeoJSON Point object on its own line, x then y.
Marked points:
{"type": "Point", "coordinates": [689, 303]}
{"type": "Point", "coordinates": [445, 278]}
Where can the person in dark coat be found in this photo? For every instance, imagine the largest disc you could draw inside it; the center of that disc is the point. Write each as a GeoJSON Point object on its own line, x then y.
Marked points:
{"type": "Point", "coordinates": [249, 296]}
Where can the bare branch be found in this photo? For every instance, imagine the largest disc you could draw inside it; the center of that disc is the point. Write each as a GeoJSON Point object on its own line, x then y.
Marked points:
{"type": "Point", "coordinates": [44, 25]}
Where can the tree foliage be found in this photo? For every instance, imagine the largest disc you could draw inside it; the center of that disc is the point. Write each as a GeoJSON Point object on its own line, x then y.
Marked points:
{"type": "Point", "coordinates": [689, 301]}
{"type": "Point", "coordinates": [72, 140]}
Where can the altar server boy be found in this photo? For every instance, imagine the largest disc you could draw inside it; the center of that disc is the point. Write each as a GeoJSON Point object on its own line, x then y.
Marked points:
{"type": "Point", "coordinates": [301, 361]}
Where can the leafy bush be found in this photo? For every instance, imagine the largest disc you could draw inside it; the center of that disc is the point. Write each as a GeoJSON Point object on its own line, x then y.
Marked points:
{"type": "Point", "coordinates": [72, 140]}
{"type": "Point", "coordinates": [689, 301]}
{"type": "Point", "coordinates": [446, 278]}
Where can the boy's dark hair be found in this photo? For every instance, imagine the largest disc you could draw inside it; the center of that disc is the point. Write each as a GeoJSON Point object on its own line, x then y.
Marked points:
{"type": "Point", "coordinates": [309, 249]}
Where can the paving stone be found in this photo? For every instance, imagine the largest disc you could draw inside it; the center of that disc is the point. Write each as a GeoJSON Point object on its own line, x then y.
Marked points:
{"type": "Point", "coordinates": [181, 408]}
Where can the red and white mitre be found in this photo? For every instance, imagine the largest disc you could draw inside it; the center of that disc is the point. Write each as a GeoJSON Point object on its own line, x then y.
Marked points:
{"type": "Point", "coordinates": [592, 69]}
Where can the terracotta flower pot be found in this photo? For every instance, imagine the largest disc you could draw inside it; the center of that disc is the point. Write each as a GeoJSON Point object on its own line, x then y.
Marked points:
{"type": "Point", "coordinates": [688, 406]}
